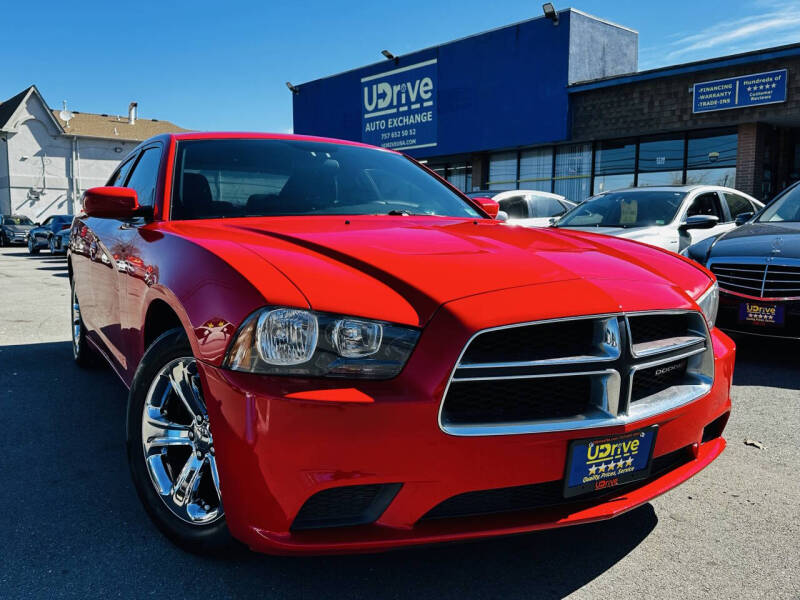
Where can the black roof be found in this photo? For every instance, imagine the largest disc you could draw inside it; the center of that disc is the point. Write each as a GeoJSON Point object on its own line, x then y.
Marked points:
{"type": "Point", "coordinates": [8, 107]}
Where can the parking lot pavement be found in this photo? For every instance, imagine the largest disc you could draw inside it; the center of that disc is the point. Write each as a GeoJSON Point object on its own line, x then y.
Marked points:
{"type": "Point", "coordinates": [71, 525]}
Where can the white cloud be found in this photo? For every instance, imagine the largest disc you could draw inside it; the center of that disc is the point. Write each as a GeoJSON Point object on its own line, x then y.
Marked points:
{"type": "Point", "coordinates": [774, 25]}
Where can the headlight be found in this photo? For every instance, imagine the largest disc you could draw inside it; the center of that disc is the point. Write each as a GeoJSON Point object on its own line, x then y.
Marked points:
{"type": "Point", "coordinates": [289, 341]}
{"type": "Point", "coordinates": [709, 304]}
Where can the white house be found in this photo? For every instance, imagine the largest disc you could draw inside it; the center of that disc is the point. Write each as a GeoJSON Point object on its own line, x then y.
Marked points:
{"type": "Point", "coordinates": [48, 158]}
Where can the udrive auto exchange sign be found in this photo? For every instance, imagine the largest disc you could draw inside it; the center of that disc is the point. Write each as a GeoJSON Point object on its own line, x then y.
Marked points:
{"type": "Point", "coordinates": [398, 107]}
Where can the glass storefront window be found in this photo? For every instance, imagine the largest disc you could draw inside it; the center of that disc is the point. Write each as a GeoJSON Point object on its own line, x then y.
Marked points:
{"type": "Point", "coordinates": [724, 177]}
{"type": "Point", "coordinates": [712, 151]}
{"type": "Point", "coordinates": [615, 157]}
{"type": "Point", "coordinates": [660, 178]}
{"type": "Point", "coordinates": [661, 155]}
{"type": "Point", "coordinates": [460, 175]}
{"type": "Point", "coordinates": [503, 171]}
{"type": "Point", "coordinates": [536, 169]}
{"type": "Point", "coordinates": [573, 171]}
{"type": "Point", "coordinates": [606, 183]}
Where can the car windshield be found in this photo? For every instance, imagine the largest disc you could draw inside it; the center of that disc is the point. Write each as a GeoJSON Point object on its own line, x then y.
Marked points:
{"type": "Point", "coordinates": [17, 221]}
{"type": "Point", "coordinates": [271, 177]}
{"type": "Point", "coordinates": [784, 208]}
{"type": "Point", "coordinates": [634, 208]}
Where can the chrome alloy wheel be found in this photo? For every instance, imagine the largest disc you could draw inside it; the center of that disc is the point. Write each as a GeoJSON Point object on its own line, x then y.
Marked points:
{"type": "Point", "coordinates": [177, 444]}
{"type": "Point", "coordinates": [76, 324]}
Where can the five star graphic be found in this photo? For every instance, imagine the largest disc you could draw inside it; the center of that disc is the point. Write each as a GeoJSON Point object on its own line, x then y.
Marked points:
{"type": "Point", "coordinates": [610, 466]}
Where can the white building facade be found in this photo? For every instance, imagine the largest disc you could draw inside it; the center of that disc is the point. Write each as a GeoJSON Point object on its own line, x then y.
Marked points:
{"type": "Point", "coordinates": [46, 162]}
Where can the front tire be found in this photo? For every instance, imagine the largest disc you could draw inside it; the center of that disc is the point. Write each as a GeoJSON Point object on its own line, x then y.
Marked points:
{"type": "Point", "coordinates": [51, 245]}
{"type": "Point", "coordinates": [171, 451]}
{"type": "Point", "coordinates": [3, 241]}
{"type": "Point", "coordinates": [32, 248]}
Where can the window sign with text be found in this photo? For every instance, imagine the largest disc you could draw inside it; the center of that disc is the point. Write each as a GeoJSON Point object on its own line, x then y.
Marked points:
{"type": "Point", "coordinates": [398, 107]}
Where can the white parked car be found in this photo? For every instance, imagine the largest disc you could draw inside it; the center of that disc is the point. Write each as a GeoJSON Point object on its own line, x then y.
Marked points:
{"type": "Point", "coordinates": [670, 217]}
{"type": "Point", "coordinates": [531, 208]}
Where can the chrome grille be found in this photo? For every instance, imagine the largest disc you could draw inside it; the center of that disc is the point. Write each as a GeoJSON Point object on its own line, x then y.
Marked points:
{"type": "Point", "coordinates": [773, 279]}
{"type": "Point", "coordinates": [577, 373]}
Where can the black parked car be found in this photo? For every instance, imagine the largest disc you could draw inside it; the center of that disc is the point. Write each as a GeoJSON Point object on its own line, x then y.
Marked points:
{"type": "Point", "coordinates": [758, 269]}
{"type": "Point", "coordinates": [39, 236]}
{"type": "Point", "coordinates": [14, 229]}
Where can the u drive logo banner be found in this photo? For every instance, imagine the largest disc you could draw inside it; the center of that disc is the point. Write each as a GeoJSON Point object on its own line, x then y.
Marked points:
{"type": "Point", "coordinates": [398, 107]}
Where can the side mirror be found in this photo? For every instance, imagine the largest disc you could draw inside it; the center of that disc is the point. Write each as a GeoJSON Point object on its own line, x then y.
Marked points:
{"type": "Point", "coordinates": [699, 222]}
{"type": "Point", "coordinates": [489, 206]}
{"type": "Point", "coordinates": [501, 216]}
{"type": "Point", "coordinates": [111, 203]}
{"type": "Point", "coordinates": [37, 224]}
{"type": "Point", "coordinates": [743, 218]}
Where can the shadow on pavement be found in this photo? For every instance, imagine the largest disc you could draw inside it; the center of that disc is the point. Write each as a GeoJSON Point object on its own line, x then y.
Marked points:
{"type": "Point", "coordinates": [767, 362]}
{"type": "Point", "coordinates": [72, 525]}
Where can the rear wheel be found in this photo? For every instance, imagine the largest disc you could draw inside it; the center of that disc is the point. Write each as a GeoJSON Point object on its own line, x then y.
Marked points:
{"type": "Point", "coordinates": [83, 354]}
{"type": "Point", "coordinates": [171, 450]}
{"type": "Point", "coordinates": [32, 248]}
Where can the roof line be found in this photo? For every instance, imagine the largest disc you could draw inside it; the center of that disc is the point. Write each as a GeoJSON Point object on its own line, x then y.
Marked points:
{"type": "Point", "coordinates": [26, 93]}
{"type": "Point", "coordinates": [751, 57]}
{"type": "Point", "coordinates": [602, 20]}
{"type": "Point", "coordinates": [466, 37]}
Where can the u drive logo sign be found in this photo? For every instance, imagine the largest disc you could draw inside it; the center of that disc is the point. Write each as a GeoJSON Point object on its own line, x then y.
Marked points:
{"type": "Point", "coordinates": [398, 107]}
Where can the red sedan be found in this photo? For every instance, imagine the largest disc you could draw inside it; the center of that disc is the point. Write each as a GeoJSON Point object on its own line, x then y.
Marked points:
{"type": "Point", "coordinates": [330, 349]}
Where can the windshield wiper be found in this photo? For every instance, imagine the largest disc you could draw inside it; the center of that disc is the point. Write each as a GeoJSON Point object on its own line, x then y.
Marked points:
{"type": "Point", "coordinates": [399, 213]}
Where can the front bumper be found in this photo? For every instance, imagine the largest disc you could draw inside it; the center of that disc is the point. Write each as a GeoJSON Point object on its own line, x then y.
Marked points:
{"type": "Point", "coordinates": [279, 441]}
{"type": "Point", "coordinates": [729, 317]}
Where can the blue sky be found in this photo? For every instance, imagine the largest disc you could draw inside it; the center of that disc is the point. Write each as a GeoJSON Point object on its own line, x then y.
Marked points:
{"type": "Point", "coordinates": [222, 65]}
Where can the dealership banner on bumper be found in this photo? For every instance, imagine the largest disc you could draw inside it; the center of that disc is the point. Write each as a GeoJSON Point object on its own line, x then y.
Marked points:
{"type": "Point", "coordinates": [398, 107]}
{"type": "Point", "coordinates": [739, 92]}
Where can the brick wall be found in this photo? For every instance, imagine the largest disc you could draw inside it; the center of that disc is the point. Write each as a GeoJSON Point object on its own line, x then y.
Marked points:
{"type": "Point", "coordinates": [665, 105]}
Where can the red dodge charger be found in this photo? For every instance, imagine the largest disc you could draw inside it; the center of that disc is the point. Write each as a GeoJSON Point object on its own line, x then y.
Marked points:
{"type": "Point", "coordinates": [331, 349]}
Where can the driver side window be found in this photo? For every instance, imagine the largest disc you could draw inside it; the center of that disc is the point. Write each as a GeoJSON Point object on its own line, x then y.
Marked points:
{"type": "Point", "coordinates": [706, 204]}
{"type": "Point", "coordinates": [118, 178]}
{"type": "Point", "coordinates": [516, 207]}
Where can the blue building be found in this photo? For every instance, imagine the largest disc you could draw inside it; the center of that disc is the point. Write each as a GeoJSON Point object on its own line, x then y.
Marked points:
{"type": "Point", "coordinates": [557, 104]}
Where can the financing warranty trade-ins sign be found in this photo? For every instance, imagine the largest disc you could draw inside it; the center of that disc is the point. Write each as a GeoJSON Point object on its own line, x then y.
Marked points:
{"type": "Point", "coordinates": [739, 92]}
{"type": "Point", "coordinates": [398, 107]}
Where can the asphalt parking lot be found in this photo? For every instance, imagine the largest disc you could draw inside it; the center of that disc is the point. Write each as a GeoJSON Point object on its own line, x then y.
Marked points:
{"type": "Point", "coordinates": [71, 525]}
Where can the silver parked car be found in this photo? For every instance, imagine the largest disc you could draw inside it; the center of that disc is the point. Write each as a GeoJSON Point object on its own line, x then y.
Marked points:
{"type": "Point", "coordinates": [670, 217]}
{"type": "Point", "coordinates": [531, 208]}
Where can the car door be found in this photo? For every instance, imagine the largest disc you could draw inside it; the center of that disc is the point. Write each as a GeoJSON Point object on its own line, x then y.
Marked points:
{"type": "Point", "coordinates": [705, 203]}
{"type": "Point", "coordinates": [105, 243]}
{"type": "Point", "coordinates": [40, 232]}
{"type": "Point", "coordinates": [136, 270]}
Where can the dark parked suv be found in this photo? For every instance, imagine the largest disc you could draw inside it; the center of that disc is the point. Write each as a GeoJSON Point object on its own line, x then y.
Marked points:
{"type": "Point", "coordinates": [14, 229]}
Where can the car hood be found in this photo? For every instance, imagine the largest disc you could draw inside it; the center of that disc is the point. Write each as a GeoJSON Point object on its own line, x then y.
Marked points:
{"type": "Point", "coordinates": [642, 234]}
{"type": "Point", "coordinates": [403, 268]}
{"type": "Point", "coordinates": [760, 240]}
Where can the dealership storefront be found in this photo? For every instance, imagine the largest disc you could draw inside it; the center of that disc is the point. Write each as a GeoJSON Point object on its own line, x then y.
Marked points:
{"type": "Point", "coordinates": [534, 105]}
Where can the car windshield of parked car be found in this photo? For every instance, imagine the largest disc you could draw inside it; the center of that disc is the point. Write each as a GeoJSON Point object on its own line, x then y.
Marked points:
{"type": "Point", "coordinates": [17, 221]}
{"type": "Point", "coordinates": [784, 208]}
{"type": "Point", "coordinates": [274, 177]}
{"type": "Point", "coordinates": [635, 208]}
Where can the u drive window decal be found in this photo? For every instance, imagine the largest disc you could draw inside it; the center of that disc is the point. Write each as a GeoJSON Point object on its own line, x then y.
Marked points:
{"type": "Point", "coordinates": [398, 107]}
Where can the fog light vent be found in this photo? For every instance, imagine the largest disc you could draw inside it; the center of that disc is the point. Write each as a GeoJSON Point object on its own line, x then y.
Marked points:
{"type": "Point", "coordinates": [345, 506]}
